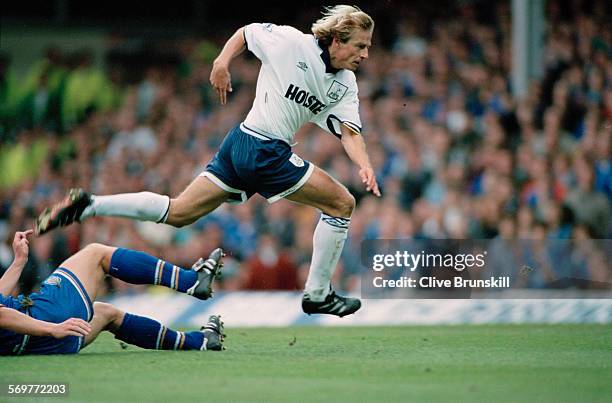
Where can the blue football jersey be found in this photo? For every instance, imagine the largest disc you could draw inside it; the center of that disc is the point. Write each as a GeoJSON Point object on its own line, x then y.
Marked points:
{"type": "Point", "coordinates": [9, 340]}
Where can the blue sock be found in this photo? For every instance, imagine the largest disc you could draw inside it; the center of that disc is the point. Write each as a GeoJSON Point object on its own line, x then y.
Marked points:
{"type": "Point", "coordinates": [140, 268]}
{"type": "Point", "coordinates": [148, 333]}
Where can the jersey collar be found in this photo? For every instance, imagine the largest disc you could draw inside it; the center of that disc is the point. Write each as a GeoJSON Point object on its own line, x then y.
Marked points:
{"type": "Point", "coordinates": [326, 58]}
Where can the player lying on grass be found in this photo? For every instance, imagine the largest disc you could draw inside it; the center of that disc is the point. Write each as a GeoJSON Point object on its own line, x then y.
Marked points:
{"type": "Point", "coordinates": [61, 319]}
{"type": "Point", "coordinates": [303, 78]}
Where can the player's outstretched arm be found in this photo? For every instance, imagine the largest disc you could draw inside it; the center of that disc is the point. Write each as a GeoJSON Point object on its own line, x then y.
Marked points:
{"type": "Point", "coordinates": [18, 322]}
{"type": "Point", "coordinates": [21, 249]}
{"type": "Point", "coordinates": [220, 77]}
{"type": "Point", "coordinates": [356, 149]}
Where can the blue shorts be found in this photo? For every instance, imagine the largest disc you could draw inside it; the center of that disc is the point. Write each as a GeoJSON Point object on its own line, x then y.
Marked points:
{"type": "Point", "coordinates": [248, 162]}
{"type": "Point", "coordinates": [61, 297]}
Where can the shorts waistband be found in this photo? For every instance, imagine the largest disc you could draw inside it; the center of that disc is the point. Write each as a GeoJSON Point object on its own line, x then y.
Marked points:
{"type": "Point", "coordinates": [258, 134]}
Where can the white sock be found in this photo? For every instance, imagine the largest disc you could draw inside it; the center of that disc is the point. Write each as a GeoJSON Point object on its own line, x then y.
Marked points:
{"type": "Point", "coordinates": [143, 206]}
{"type": "Point", "coordinates": [328, 241]}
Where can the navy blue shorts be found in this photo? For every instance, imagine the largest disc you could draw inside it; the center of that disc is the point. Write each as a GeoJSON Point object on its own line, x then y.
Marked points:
{"type": "Point", "coordinates": [61, 297]}
{"type": "Point", "coordinates": [248, 162]}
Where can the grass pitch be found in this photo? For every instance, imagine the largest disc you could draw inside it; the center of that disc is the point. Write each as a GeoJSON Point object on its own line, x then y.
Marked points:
{"type": "Point", "coordinates": [492, 363]}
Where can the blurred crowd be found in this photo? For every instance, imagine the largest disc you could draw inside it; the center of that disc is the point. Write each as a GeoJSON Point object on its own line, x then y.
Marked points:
{"type": "Point", "coordinates": [456, 155]}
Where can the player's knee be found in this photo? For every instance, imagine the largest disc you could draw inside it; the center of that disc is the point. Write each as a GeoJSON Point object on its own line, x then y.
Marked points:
{"type": "Point", "coordinates": [95, 247]}
{"type": "Point", "coordinates": [107, 311]}
{"type": "Point", "coordinates": [345, 205]}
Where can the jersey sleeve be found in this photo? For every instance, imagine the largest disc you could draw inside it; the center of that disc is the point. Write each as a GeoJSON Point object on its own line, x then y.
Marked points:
{"type": "Point", "coordinates": [266, 41]}
{"type": "Point", "coordinates": [9, 302]}
{"type": "Point", "coordinates": [346, 112]}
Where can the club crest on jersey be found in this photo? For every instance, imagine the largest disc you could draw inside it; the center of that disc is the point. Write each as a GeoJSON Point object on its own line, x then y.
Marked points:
{"type": "Point", "coordinates": [53, 280]}
{"type": "Point", "coordinates": [336, 91]}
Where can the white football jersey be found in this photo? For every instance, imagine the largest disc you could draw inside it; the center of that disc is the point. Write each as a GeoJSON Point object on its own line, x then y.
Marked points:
{"type": "Point", "coordinates": [293, 87]}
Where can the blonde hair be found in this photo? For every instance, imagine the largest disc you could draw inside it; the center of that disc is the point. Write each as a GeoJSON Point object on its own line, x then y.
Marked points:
{"type": "Point", "coordinates": [339, 22]}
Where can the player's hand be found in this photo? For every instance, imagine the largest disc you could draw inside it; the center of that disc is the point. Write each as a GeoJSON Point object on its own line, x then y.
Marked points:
{"type": "Point", "coordinates": [70, 327]}
{"type": "Point", "coordinates": [221, 80]}
{"type": "Point", "coordinates": [21, 248]}
{"type": "Point", "coordinates": [369, 179]}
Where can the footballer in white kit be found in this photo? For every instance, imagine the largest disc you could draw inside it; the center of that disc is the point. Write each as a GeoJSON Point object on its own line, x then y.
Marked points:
{"type": "Point", "coordinates": [303, 78]}
{"type": "Point", "coordinates": [296, 85]}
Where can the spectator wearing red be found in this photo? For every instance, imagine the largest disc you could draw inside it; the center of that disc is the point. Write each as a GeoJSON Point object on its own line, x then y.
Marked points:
{"type": "Point", "coordinates": [270, 268]}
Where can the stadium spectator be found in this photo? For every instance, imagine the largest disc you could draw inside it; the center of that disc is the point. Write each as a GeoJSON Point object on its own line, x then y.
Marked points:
{"type": "Point", "coordinates": [270, 267]}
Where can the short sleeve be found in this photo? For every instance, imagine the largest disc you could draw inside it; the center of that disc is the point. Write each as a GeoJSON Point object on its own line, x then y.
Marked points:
{"type": "Point", "coordinates": [346, 112]}
{"type": "Point", "coordinates": [265, 40]}
{"type": "Point", "coordinates": [9, 302]}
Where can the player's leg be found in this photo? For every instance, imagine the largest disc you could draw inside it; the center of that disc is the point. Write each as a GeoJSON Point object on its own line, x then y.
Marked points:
{"type": "Point", "coordinates": [148, 333]}
{"type": "Point", "coordinates": [203, 195]}
{"type": "Point", "coordinates": [91, 263]}
{"type": "Point", "coordinates": [141, 268]}
{"type": "Point", "coordinates": [336, 204]}
{"type": "Point", "coordinates": [105, 317]}
{"type": "Point", "coordinates": [326, 194]}
{"type": "Point", "coordinates": [88, 266]}
{"type": "Point", "coordinates": [199, 198]}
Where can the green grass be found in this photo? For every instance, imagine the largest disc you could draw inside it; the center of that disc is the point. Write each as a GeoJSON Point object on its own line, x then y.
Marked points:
{"type": "Point", "coordinates": [492, 363]}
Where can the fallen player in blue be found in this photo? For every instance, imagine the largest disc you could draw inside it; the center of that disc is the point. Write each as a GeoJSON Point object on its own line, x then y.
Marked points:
{"type": "Point", "coordinates": [61, 318]}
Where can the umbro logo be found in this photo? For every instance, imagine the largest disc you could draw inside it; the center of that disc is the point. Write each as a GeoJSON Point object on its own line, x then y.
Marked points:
{"type": "Point", "coordinates": [302, 66]}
